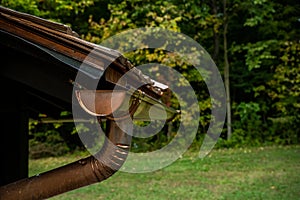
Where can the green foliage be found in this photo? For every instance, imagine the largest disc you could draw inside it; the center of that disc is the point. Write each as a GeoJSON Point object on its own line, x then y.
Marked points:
{"type": "Point", "coordinates": [133, 14]}
{"type": "Point", "coordinates": [27, 6]}
{"type": "Point", "coordinates": [285, 85]}
{"type": "Point", "coordinates": [259, 54]}
{"type": "Point", "coordinates": [259, 11]}
{"type": "Point", "coordinates": [290, 135]}
{"type": "Point", "coordinates": [73, 13]}
{"type": "Point", "coordinates": [248, 128]}
{"type": "Point", "coordinates": [263, 37]}
{"type": "Point", "coordinates": [51, 139]}
{"type": "Point", "coordinates": [46, 141]}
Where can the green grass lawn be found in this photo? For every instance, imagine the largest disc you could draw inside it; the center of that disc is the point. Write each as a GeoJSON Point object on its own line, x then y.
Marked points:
{"type": "Point", "coordinates": [252, 173]}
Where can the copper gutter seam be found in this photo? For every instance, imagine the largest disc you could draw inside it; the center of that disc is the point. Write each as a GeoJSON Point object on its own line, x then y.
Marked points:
{"type": "Point", "coordinates": [78, 174]}
{"type": "Point", "coordinates": [50, 28]}
{"type": "Point", "coordinates": [59, 41]}
{"type": "Point", "coordinates": [32, 29]}
{"type": "Point", "coordinates": [57, 26]}
{"type": "Point", "coordinates": [73, 47]}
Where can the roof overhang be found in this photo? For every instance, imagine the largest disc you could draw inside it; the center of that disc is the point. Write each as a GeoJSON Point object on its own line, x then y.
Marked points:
{"type": "Point", "coordinates": [46, 57]}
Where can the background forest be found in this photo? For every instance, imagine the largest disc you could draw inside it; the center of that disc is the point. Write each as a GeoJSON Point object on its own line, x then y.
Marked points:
{"type": "Point", "coordinates": [255, 44]}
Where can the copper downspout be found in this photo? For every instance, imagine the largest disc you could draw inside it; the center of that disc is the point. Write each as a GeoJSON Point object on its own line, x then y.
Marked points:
{"type": "Point", "coordinates": [80, 173]}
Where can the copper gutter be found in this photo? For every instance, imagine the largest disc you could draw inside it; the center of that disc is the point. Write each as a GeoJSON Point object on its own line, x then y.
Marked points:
{"type": "Point", "coordinates": [80, 173]}
{"type": "Point", "coordinates": [63, 40]}
{"type": "Point", "coordinates": [103, 164]}
{"type": "Point", "coordinates": [114, 104]}
{"type": "Point", "coordinates": [110, 158]}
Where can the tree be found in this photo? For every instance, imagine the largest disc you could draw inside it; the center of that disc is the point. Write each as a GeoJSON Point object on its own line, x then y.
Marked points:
{"type": "Point", "coordinates": [258, 39]}
{"type": "Point", "coordinates": [226, 69]}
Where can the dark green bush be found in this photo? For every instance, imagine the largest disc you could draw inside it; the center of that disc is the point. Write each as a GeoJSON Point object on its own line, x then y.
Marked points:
{"type": "Point", "coordinates": [53, 139]}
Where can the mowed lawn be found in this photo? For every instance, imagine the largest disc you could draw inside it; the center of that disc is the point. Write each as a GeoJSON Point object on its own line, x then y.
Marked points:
{"type": "Point", "coordinates": [250, 173]}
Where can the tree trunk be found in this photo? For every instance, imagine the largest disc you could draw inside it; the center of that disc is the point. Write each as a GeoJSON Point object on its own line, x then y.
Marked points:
{"type": "Point", "coordinates": [216, 34]}
{"type": "Point", "coordinates": [226, 71]}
